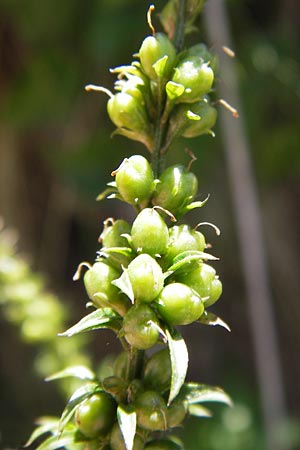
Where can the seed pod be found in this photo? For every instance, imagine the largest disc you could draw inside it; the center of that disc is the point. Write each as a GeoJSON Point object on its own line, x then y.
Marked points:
{"type": "Point", "coordinates": [111, 234]}
{"type": "Point", "coordinates": [157, 371]}
{"type": "Point", "coordinates": [140, 327]}
{"type": "Point", "coordinates": [178, 304]}
{"type": "Point", "coordinates": [201, 51]}
{"type": "Point", "coordinates": [135, 181]}
{"type": "Point", "coordinates": [95, 415]}
{"type": "Point", "coordinates": [182, 239]}
{"type": "Point", "coordinates": [196, 77]}
{"type": "Point", "coordinates": [204, 281]}
{"type": "Point", "coordinates": [146, 278]}
{"type": "Point", "coordinates": [192, 120]}
{"type": "Point", "coordinates": [151, 411]}
{"type": "Point", "coordinates": [127, 111]}
{"type": "Point", "coordinates": [149, 233]}
{"type": "Point", "coordinates": [163, 444]}
{"type": "Point", "coordinates": [176, 188]}
{"type": "Point", "coordinates": [101, 291]}
{"type": "Point", "coordinates": [152, 50]}
{"type": "Point", "coordinates": [177, 412]}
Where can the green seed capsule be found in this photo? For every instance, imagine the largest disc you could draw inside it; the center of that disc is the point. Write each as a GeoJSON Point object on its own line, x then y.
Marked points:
{"type": "Point", "coordinates": [152, 50]}
{"type": "Point", "coordinates": [151, 411]}
{"type": "Point", "coordinates": [178, 304]}
{"type": "Point", "coordinates": [127, 111]}
{"type": "Point", "coordinates": [101, 291]}
{"type": "Point", "coordinates": [176, 188]}
{"type": "Point", "coordinates": [201, 51]}
{"type": "Point", "coordinates": [182, 239]}
{"type": "Point", "coordinates": [111, 235]}
{"type": "Point", "coordinates": [95, 415]}
{"type": "Point", "coordinates": [196, 77]}
{"type": "Point", "coordinates": [140, 327]}
{"type": "Point", "coordinates": [146, 278]}
{"type": "Point", "coordinates": [135, 180]}
{"type": "Point", "coordinates": [150, 233]}
{"type": "Point", "coordinates": [158, 371]}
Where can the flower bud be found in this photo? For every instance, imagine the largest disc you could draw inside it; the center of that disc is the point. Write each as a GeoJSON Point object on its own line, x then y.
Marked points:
{"type": "Point", "coordinates": [135, 180]}
{"type": "Point", "coordinates": [152, 50]}
{"type": "Point", "coordinates": [176, 189]}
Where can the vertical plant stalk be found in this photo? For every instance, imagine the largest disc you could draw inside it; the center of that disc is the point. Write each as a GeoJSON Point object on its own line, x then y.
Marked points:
{"type": "Point", "coordinates": [246, 208]}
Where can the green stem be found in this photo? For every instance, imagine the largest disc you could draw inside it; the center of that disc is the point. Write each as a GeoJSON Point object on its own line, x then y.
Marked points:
{"type": "Point", "coordinates": [180, 26]}
{"type": "Point", "coordinates": [136, 363]}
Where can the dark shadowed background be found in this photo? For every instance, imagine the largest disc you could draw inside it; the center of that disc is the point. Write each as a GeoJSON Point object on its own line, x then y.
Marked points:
{"type": "Point", "coordinates": [56, 155]}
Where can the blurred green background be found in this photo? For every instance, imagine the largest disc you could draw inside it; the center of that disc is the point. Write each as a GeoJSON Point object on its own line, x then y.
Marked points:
{"type": "Point", "coordinates": [56, 155]}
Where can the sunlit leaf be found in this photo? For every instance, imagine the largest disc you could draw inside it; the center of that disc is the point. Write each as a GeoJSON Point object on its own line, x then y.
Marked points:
{"type": "Point", "coordinates": [199, 393]}
{"type": "Point", "coordinates": [127, 423]}
{"type": "Point", "coordinates": [46, 425]}
{"type": "Point", "coordinates": [179, 361]}
{"type": "Point", "coordinates": [81, 372]}
{"type": "Point", "coordinates": [185, 258]}
{"type": "Point", "coordinates": [124, 284]}
{"type": "Point", "coordinates": [199, 411]}
{"type": "Point", "coordinates": [101, 318]}
{"type": "Point", "coordinates": [160, 65]}
{"type": "Point", "coordinates": [209, 318]}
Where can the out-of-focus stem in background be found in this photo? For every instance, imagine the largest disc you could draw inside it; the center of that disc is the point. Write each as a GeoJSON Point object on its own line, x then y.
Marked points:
{"type": "Point", "coordinates": [249, 230]}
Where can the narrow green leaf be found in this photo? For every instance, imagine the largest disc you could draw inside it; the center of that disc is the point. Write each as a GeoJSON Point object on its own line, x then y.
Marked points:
{"type": "Point", "coordinates": [101, 318]}
{"type": "Point", "coordinates": [81, 372]}
{"type": "Point", "coordinates": [199, 393]}
{"type": "Point", "coordinates": [185, 258]}
{"type": "Point", "coordinates": [199, 411]}
{"type": "Point", "coordinates": [124, 284]}
{"type": "Point", "coordinates": [174, 90]}
{"type": "Point", "coordinates": [125, 251]}
{"type": "Point", "coordinates": [127, 423]}
{"type": "Point", "coordinates": [60, 442]}
{"type": "Point", "coordinates": [179, 361]}
{"type": "Point", "coordinates": [46, 425]}
{"type": "Point", "coordinates": [78, 396]}
{"type": "Point", "coordinates": [159, 66]}
{"type": "Point", "coordinates": [209, 318]}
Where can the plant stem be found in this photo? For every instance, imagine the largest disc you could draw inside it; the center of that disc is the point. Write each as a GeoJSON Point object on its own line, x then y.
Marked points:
{"type": "Point", "coordinates": [180, 26]}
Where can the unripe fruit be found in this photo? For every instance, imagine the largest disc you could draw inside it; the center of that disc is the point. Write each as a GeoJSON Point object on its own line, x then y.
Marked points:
{"type": "Point", "coordinates": [177, 412]}
{"type": "Point", "coordinates": [177, 188]}
{"type": "Point", "coordinates": [117, 440]}
{"type": "Point", "coordinates": [149, 233]}
{"type": "Point", "coordinates": [135, 180]}
{"type": "Point", "coordinates": [158, 372]}
{"type": "Point", "coordinates": [140, 327]}
{"type": "Point", "coordinates": [111, 235]}
{"type": "Point", "coordinates": [126, 111]}
{"type": "Point", "coordinates": [151, 411]}
{"type": "Point", "coordinates": [101, 291]}
{"type": "Point", "coordinates": [182, 239]}
{"type": "Point", "coordinates": [203, 280]}
{"type": "Point", "coordinates": [121, 365]}
{"type": "Point", "coordinates": [95, 415]}
{"type": "Point", "coordinates": [197, 78]}
{"type": "Point", "coordinates": [215, 292]}
{"type": "Point", "coordinates": [146, 278]}
{"type": "Point", "coordinates": [154, 48]}
{"type": "Point", "coordinates": [201, 51]}
{"type": "Point", "coordinates": [178, 304]}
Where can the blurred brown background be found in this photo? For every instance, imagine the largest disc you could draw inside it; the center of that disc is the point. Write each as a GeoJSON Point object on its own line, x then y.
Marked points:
{"type": "Point", "coordinates": [56, 155]}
